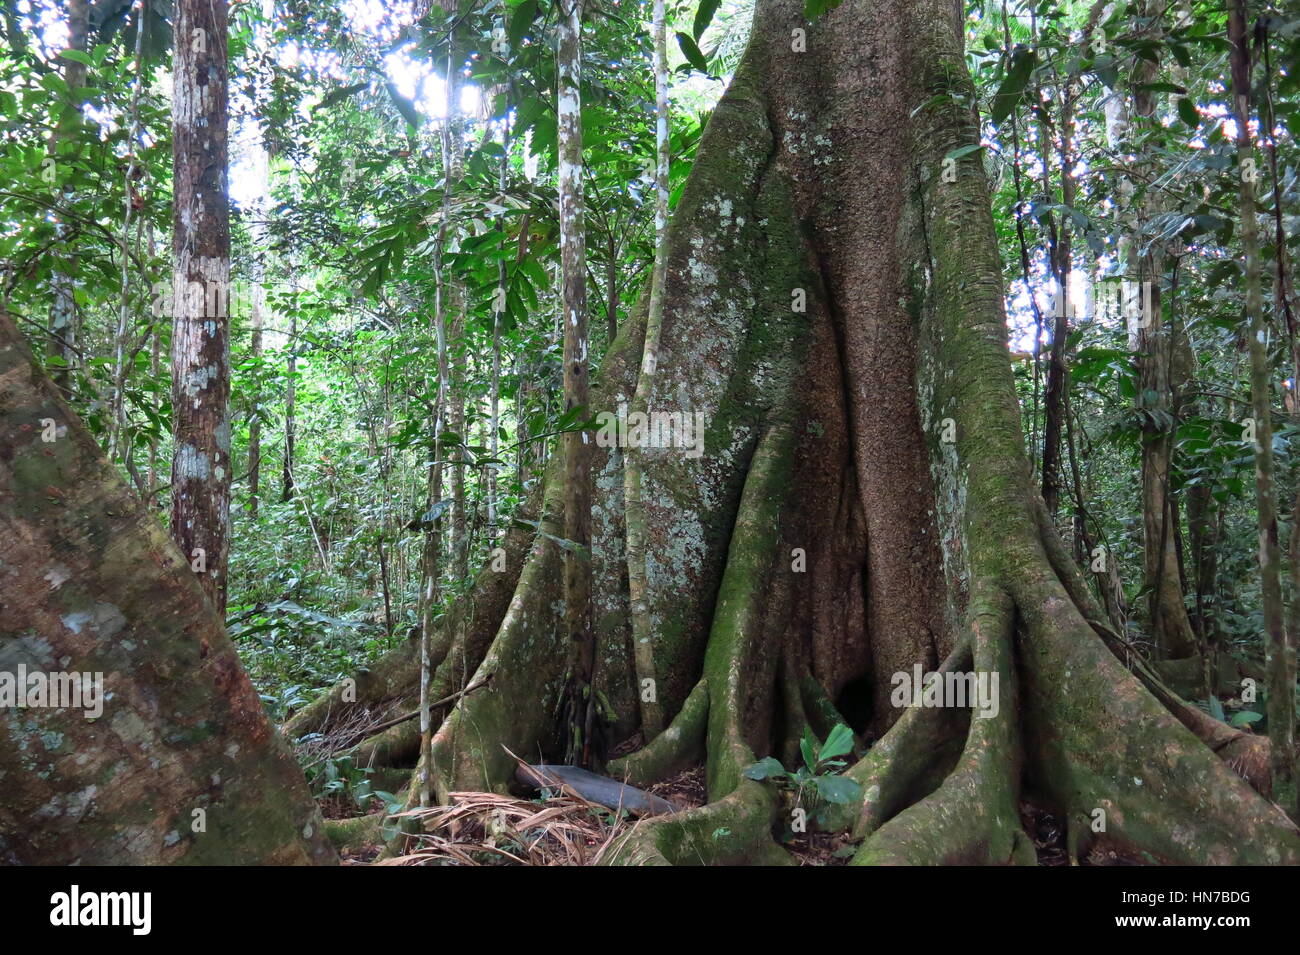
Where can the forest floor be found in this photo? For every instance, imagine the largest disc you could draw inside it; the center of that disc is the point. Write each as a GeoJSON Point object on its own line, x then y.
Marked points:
{"type": "Point", "coordinates": [563, 829]}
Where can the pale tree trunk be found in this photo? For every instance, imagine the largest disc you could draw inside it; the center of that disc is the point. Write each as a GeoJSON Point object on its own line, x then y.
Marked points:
{"type": "Point", "coordinates": [181, 765]}
{"type": "Point", "coordinates": [201, 283]}
{"type": "Point", "coordinates": [120, 443]}
{"type": "Point", "coordinates": [1281, 685]}
{"type": "Point", "coordinates": [65, 320]}
{"type": "Point", "coordinates": [257, 322]}
{"type": "Point", "coordinates": [456, 421]}
{"type": "Point", "coordinates": [498, 307]}
{"type": "Point", "coordinates": [642, 629]}
{"type": "Point", "coordinates": [432, 653]}
{"type": "Point", "coordinates": [255, 414]}
{"type": "Point", "coordinates": [1163, 366]}
{"type": "Point", "coordinates": [1056, 394]}
{"type": "Point", "coordinates": [861, 504]}
{"type": "Point", "coordinates": [580, 700]}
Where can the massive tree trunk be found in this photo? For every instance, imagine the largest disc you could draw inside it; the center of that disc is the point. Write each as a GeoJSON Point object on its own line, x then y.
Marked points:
{"type": "Point", "coordinates": [181, 764]}
{"type": "Point", "coordinates": [833, 307]}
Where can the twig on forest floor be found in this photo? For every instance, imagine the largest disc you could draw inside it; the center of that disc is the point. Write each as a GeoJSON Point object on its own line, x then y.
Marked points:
{"type": "Point", "coordinates": [351, 735]}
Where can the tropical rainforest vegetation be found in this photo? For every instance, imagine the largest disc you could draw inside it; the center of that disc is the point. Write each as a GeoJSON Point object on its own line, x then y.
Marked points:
{"type": "Point", "coordinates": [395, 396]}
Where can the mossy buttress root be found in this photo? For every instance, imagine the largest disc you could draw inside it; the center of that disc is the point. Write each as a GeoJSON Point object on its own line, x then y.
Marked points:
{"type": "Point", "coordinates": [973, 817]}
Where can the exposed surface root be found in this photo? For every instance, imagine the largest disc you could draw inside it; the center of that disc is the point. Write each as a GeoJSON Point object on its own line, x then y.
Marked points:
{"type": "Point", "coordinates": [912, 759]}
{"type": "Point", "coordinates": [734, 830]}
{"type": "Point", "coordinates": [736, 825]}
{"type": "Point", "coordinates": [678, 746]}
{"type": "Point", "coordinates": [973, 818]}
{"type": "Point", "coordinates": [1246, 753]}
{"type": "Point", "coordinates": [1109, 753]}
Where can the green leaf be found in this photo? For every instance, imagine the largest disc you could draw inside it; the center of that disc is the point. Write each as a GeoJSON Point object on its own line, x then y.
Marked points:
{"type": "Point", "coordinates": [404, 106]}
{"type": "Point", "coordinates": [1187, 112]}
{"type": "Point", "coordinates": [1245, 718]}
{"type": "Point", "coordinates": [812, 9]}
{"type": "Point", "coordinates": [1216, 708]}
{"type": "Point", "coordinates": [704, 16]}
{"type": "Point", "coordinates": [765, 768]}
{"type": "Point", "coordinates": [838, 789]}
{"type": "Point", "coordinates": [339, 95]}
{"type": "Point", "coordinates": [692, 53]}
{"type": "Point", "coordinates": [808, 746]}
{"type": "Point", "coordinates": [78, 56]}
{"type": "Point", "coordinates": [839, 742]}
{"type": "Point", "coordinates": [520, 21]}
{"type": "Point", "coordinates": [964, 151]}
{"type": "Point", "coordinates": [1012, 89]}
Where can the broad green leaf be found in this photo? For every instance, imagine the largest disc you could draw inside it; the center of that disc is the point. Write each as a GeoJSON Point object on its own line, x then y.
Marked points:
{"type": "Point", "coordinates": [520, 21]}
{"type": "Point", "coordinates": [1013, 85]}
{"type": "Point", "coordinates": [839, 742]}
{"type": "Point", "coordinates": [840, 790]}
{"type": "Point", "coordinates": [404, 106]}
{"type": "Point", "coordinates": [808, 747]}
{"type": "Point", "coordinates": [704, 16]}
{"type": "Point", "coordinates": [1216, 708]}
{"type": "Point", "coordinates": [964, 151]}
{"type": "Point", "coordinates": [692, 53]}
{"type": "Point", "coordinates": [765, 768]}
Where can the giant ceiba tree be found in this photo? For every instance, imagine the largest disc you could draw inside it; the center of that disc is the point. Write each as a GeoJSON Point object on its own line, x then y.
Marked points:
{"type": "Point", "coordinates": [833, 305]}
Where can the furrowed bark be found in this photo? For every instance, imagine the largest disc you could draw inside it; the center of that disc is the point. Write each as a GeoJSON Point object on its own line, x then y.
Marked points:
{"type": "Point", "coordinates": [862, 502]}
{"type": "Point", "coordinates": [201, 326]}
{"type": "Point", "coordinates": [181, 765]}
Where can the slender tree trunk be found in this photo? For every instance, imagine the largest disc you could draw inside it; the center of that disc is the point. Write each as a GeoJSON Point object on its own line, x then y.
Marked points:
{"type": "Point", "coordinates": [498, 307]}
{"type": "Point", "coordinates": [456, 421]}
{"type": "Point", "coordinates": [1281, 686]}
{"type": "Point", "coordinates": [1163, 366]}
{"type": "Point", "coordinates": [580, 701]}
{"type": "Point", "coordinates": [1203, 526]}
{"type": "Point", "coordinates": [1055, 396]}
{"type": "Point", "coordinates": [255, 413]}
{"type": "Point", "coordinates": [120, 443]}
{"type": "Point", "coordinates": [287, 482]}
{"type": "Point", "coordinates": [201, 263]}
{"type": "Point", "coordinates": [155, 370]}
{"type": "Point", "coordinates": [256, 323]}
{"type": "Point", "coordinates": [431, 569]}
{"type": "Point", "coordinates": [65, 320]}
{"type": "Point", "coordinates": [642, 625]}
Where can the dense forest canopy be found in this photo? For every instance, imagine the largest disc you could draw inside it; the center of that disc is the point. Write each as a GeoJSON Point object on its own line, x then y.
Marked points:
{"type": "Point", "coordinates": [661, 390]}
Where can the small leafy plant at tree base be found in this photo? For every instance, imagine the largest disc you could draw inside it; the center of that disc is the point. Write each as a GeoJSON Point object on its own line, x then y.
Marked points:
{"type": "Point", "coordinates": [348, 786]}
{"type": "Point", "coordinates": [818, 780]}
